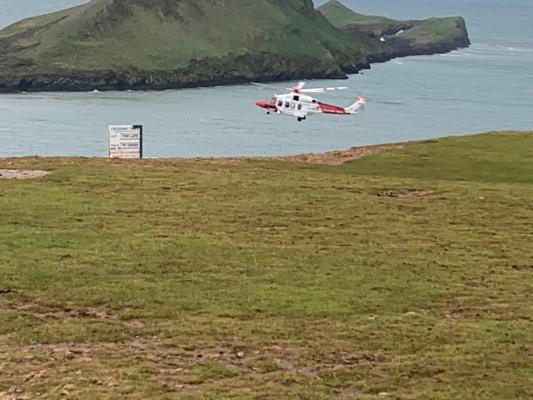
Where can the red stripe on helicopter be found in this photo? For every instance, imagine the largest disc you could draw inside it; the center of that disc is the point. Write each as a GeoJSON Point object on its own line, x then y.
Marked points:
{"type": "Point", "coordinates": [331, 109]}
{"type": "Point", "coordinates": [266, 104]}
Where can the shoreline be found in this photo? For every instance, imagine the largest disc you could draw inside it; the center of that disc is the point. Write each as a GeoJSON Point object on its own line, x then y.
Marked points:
{"type": "Point", "coordinates": [121, 81]}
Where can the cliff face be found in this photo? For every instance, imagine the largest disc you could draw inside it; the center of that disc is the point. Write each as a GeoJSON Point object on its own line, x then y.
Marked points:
{"type": "Point", "coordinates": [386, 38]}
{"type": "Point", "coordinates": [158, 44]}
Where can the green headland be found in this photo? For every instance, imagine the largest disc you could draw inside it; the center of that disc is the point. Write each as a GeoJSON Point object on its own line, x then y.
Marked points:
{"type": "Point", "coordinates": [158, 44]}
{"type": "Point", "coordinates": [385, 38]}
{"type": "Point", "coordinates": [405, 274]}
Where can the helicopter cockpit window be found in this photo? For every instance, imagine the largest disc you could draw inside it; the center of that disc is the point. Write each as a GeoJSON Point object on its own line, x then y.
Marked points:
{"type": "Point", "coordinates": [287, 104]}
{"type": "Point", "coordinates": [280, 103]}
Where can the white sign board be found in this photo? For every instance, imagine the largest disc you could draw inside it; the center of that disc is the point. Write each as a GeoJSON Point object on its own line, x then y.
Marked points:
{"type": "Point", "coordinates": [126, 141]}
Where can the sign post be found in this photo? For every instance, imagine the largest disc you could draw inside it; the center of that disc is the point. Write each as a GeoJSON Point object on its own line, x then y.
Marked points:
{"type": "Point", "coordinates": [126, 141]}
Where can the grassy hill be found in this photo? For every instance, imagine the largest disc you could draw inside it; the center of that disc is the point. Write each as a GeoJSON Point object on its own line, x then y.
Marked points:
{"type": "Point", "coordinates": [405, 274]}
{"type": "Point", "coordinates": [168, 42]}
{"type": "Point", "coordinates": [158, 44]}
{"type": "Point", "coordinates": [386, 38]}
{"type": "Point", "coordinates": [343, 17]}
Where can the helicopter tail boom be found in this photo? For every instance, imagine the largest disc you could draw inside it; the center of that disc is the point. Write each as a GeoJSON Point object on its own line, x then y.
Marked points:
{"type": "Point", "coordinates": [355, 107]}
{"type": "Point", "coordinates": [333, 109]}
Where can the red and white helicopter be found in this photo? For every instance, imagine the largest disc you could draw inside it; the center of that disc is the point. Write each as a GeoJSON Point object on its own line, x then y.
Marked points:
{"type": "Point", "coordinates": [299, 104]}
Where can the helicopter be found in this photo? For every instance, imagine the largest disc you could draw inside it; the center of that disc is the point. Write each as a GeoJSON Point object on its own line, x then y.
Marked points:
{"type": "Point", "coordinates": [298, 103]}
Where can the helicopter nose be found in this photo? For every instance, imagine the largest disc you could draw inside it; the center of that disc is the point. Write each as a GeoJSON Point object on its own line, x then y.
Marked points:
{"type": "Point", "coordinates": [261, 103]}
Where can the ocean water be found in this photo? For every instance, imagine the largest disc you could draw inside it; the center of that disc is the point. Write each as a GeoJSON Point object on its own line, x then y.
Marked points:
{"type": "Point", "coordinates": [486, 87]}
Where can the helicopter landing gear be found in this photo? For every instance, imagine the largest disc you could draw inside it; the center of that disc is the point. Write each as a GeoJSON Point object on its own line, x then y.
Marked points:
{"type": "Point", "coordinates": [300, 119]}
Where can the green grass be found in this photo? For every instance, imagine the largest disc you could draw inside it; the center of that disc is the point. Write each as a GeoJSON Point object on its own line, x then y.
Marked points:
{"type": "Point", "coordinates": [436, 29]}
{"type": "Point", "coordinates": [505, 158]}
{"type": "Point", "coordinates": [188, 279]}
{"type": "Point", "coordinates": [341, 16]}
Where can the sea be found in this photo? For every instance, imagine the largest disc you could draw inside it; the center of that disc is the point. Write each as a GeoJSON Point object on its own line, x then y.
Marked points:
{"type": "Point", "coordinates": [488, 86]}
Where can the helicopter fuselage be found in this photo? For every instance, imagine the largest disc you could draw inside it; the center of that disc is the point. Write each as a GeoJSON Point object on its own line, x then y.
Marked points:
{"type": "Point", "coordinates": [301, 105]}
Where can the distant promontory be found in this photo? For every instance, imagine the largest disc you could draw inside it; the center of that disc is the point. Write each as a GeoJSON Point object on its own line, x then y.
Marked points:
{"type": "Point", "coordinates": [382, 39]}
{"type": "Point", "coordinates": [160, 44]}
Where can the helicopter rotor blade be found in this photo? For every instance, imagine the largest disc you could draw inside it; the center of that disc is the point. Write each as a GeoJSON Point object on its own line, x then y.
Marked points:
{"type": "Point", "coordinates": [361, 100]}
{"type": "Point", "coordinates": [314, 90]}
{"type": "Point", "coordinates": [298, 87]}
{"type": "Point", "coordinates": [323, 90]}
{"type": "Point", "coordinates": [262, 86]}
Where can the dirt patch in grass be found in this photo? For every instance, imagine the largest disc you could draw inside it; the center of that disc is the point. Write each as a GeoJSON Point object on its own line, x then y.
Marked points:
{"type": "Point", "coordinates": [522, 267]}
{"type": "Point", "coordinates": [406, 193]}
{"type": "Point", "coordinates": [22, 174]}
{"type": "Point", "coordinates": [336, 157]}
{"type": "Point", "coordinates": [40, 312]}
{"type": "Point", "coordinates": [101, 367]}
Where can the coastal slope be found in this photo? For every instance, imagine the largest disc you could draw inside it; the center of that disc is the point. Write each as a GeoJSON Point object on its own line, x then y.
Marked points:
{"type": "Point", "coordinates": [385, 38]}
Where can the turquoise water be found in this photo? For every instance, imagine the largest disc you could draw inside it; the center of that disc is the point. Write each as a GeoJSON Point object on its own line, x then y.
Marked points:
{"type": "Point", "coordinates": [486, 87]}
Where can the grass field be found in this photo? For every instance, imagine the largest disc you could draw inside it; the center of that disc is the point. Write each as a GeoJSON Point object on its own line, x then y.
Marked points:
{"type": "Point", "coordinates": [403, 275]}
